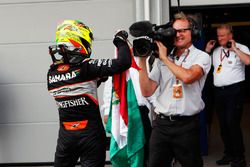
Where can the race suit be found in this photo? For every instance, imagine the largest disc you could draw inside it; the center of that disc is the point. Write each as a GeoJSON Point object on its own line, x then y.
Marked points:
{"type": "Point", "coordinates": [74, 87]}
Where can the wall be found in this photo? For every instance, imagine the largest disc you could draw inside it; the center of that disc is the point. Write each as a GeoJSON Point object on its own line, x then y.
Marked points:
{"type": "Point", "coordinates": [28, 115]}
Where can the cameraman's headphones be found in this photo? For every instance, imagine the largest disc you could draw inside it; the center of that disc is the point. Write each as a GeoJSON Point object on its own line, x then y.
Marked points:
{"type": "Point", "coordinates": [195, 31]}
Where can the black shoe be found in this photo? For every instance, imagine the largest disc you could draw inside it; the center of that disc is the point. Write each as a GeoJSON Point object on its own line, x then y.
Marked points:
{"type": "Point", "coordinates": [225, 160]}
{"type": "Point", "coordinates": [239, 163]}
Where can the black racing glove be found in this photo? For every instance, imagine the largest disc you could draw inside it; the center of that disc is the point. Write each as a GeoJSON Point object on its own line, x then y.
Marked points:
{"type": "Point", "coordinates": [120, 38]}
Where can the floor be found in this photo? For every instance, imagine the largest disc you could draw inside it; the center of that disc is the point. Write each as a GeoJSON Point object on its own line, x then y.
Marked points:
{"type": "Point", "coordinates": [215, 144]}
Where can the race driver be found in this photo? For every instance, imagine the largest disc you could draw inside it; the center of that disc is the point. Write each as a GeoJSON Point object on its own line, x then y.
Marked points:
{"type": "Point", "coordinates": [73, 80]}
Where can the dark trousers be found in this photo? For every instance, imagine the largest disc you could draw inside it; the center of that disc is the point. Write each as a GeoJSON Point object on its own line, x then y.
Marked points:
{"type": "Point", "coordinates": [87, 144]}
{"type": "Point", "coordinates": [229, 107]}
{"type": "Point", "coordinates": [144, 111]}
{"type": "Point", "coordinates": [175, 140]}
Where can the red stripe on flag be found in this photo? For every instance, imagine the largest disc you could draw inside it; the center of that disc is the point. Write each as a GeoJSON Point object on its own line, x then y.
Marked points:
{"type": "Point", "coordinates": [121, 90]}
{"type": "Point", "coordinates": [120, 87]}
{"type": "Point", "coordinates": [133, 64]}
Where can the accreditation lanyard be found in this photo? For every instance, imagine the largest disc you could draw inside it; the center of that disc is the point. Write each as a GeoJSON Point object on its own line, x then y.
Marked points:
{"type": "Point", "coordinates": [177, 87]}
{"type": "Point", "coordinates": [184, 59]}
{"type": "Point", "coordinates": [222, 57]}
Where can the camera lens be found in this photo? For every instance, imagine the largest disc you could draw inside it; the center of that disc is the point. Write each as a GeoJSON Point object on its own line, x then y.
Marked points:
{"type": "Point", "coordinates": [141, 47]}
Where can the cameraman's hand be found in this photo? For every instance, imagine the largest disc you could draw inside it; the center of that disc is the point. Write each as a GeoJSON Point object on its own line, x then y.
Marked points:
{"type": "Point", "coordinates": [120, 38]}
{"type": "Point", "coordinates": [162, 50]}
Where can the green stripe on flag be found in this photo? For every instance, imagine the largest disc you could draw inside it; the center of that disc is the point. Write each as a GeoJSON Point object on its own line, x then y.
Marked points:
{"type": "Point", "coordinates": [132, 154]}
{"type": "Point", "coordinates": [136, 138]}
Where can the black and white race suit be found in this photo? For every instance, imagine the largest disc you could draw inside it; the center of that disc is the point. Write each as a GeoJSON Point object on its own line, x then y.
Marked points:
{"type": "Point", "coordinates": [74, 87]}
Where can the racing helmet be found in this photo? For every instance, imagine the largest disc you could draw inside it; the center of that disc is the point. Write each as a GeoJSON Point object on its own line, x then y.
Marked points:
{"type": "Point", "coordinates": [76, 36]}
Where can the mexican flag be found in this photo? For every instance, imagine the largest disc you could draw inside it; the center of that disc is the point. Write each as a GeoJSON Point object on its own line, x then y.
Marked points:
{"type": "Point", "coordinates": [124, 124]}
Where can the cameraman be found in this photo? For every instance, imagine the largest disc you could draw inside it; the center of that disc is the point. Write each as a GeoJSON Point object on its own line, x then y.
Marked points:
{"type": "Point", "coordinates": [229, 60]}
{"type": "Point", "coordinates": [180, 78]}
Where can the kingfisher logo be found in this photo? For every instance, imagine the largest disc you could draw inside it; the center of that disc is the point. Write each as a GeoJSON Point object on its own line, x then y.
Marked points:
{"type": "Point", "coordinates": [72, 103]}
{"type": "Point", "coordinates": [64, 77]}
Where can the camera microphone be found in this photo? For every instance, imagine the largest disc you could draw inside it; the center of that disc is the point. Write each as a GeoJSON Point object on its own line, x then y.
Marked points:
{"type": "Point", "coordinates": [141, 28]}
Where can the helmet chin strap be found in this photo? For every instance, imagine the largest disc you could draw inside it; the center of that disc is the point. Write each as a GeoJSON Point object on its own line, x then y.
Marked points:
{"type": "Point", "coordinates": [63, 52]}
{"type": "Point", "coordinates": [75, 59]}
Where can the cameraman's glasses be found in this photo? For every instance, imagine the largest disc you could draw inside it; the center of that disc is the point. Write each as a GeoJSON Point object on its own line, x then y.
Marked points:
{"type": "Point", "coordinates": [181, 31]}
